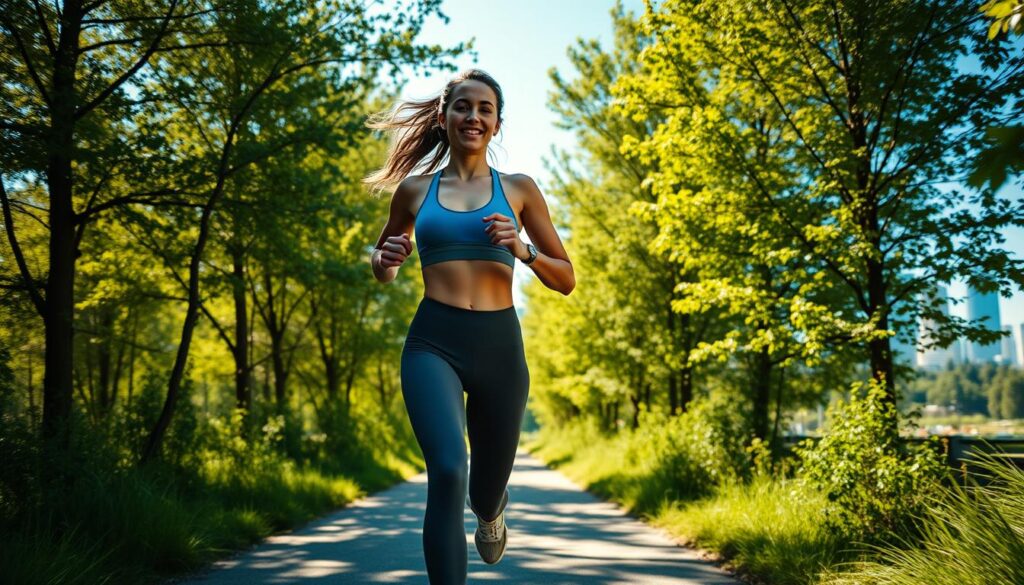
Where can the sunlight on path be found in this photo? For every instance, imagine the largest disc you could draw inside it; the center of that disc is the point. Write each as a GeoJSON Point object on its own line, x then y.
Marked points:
{"type": "Point", "coordinates": [558, 534]}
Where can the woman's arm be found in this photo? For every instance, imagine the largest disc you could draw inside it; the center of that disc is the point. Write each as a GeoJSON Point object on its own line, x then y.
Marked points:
{"type": "Point", "coordinates": [394, 246]}
{"type": "Point", "coordinates": [552, 264]}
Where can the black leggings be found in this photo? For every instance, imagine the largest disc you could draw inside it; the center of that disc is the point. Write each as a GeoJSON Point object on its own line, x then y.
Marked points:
{"type": "Point", "coordinates": [450, 350]}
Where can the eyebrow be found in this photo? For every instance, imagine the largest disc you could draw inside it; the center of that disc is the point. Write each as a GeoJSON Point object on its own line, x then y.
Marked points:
{"type": "Point", "coordinates": [462, 99]}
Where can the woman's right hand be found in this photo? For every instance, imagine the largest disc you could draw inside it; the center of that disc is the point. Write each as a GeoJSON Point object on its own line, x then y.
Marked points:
{"type": "Point", "coordinates": [395, 250]}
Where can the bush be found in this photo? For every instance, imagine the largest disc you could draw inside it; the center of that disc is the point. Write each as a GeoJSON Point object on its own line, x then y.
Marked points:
{"type": "Point", "coordinates": [970, 535]}
{"type": "Point", "coordinates": [875, 483]}
{"type": "Point", "coordinates": [692, 452]}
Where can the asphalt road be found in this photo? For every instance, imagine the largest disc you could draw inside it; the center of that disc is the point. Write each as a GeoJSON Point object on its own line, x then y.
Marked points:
{"type": "Point", "coordinates": [558, 534]}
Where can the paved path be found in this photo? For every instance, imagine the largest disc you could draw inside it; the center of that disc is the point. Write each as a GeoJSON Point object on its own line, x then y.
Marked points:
{"type": "Point", "coordinates": [558, 534]}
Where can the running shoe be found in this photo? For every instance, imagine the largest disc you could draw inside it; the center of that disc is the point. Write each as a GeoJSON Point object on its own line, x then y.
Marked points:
{"type": "Point", "coordinates": [492, 536]}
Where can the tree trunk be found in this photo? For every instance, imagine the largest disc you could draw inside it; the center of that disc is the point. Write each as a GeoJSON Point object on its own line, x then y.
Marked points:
{"type": "Point", "coordinates": [673, 393]}
{"type": "Point", "coordinates": [673, 388]}
{"type": "Point", "coordinates": [778, 416]}
{"type": "Point", "coordinates": [879, 351]}
{"type": "Point", "coordinates": [241, 349]}
{"type": "Point", "coordinates": [277, 359]}
{"type": "Point", "coordinates": [58, 312]}
{"type": "Point", "coordinates": [156, 436]}
{"type": "Point", "coordinates": [118, 370]}
{"type": "Point", "coordinates": [131, 357]}
{"type": "Point", "coordinates": [685, 388]}
{"type": "Point", "coordinates": [105, 358]}
{"type": "Point", "coordinates": [762, 393]}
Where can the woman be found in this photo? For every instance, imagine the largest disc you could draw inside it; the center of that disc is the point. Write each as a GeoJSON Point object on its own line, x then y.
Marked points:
{"type": "Point", "coordinates": [465, 335]}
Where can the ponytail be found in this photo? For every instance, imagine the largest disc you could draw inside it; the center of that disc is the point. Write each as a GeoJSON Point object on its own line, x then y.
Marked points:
{"type": "Point", "coordinates": [416, 134]}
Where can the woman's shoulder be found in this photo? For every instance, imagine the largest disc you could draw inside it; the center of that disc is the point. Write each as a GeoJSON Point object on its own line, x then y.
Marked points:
{"type": "Point", "coordinates": [515, 176]}
{"type": "Point", "coordinates": [523, 184]}
{"type": "Point", "coordinates": [411, 186]}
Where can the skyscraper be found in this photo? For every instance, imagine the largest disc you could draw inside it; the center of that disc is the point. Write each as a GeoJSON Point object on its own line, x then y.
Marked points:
{"type": "Point", "coordinates": [935, 358]}
{"type": "Point", "coordinates": [1008, 348]}
{"type": "Point", "coordinates": [903, 351]}
{"type": "Point", "coordinates": [983, 308]}
{"type": "Point", "coordinates": [1020, 344]}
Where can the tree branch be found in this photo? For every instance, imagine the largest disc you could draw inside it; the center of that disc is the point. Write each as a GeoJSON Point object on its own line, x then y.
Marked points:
{"type": "Point", "coordinates": [19, 256]}
{"type": "Point", "coordinates": [45, 28]}
{"type": "Point", "coordinates": [131, 70]}
{"type": "Point", "coordinates": [28, 61]}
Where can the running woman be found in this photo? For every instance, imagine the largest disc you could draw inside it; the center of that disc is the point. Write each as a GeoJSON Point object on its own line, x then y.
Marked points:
{"type": "Point", "coordinates": [465, 336]}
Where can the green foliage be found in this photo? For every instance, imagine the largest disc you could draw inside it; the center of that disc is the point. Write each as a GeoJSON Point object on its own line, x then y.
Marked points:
{"type": "Point", "coordinates": [781, 189]}
{"type": "Point", "coordinates": [1006, 15]}
{"type": "Point", "coordinates": [999, 158]}
{"type": "Point", "coordinates": [609, 341]}
{"type": "Point", "coordinates": [875, 483]}
{"type": "Point", "coordinates": [771, 529]}
{"type": "Point", "coordinates": [992, 389]}
{"type": "Point", "coordinates": [121, 523]}
{"type": "Point", "coordinates": [969, 535]}
{"type": "Point", "coordinates": [692, 453]}
{"type": "Point", "coordinates": [18, 449]}
{"type": "Point", "coordinates": [666, 458]}
{"type": "Point", "coordinates": [224, 445]}
{"type": "Point", "coordinates": [225, 481]}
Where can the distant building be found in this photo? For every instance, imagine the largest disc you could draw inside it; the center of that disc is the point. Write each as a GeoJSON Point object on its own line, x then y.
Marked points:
{"type": "Point", "coordinates": [935, 358]}
{"type": "Point", "coordinates": [1020, 344]}
{"type": "Point", "coordinates": [960, 348]}
{"type": "Point", "coordinates": [983, 308]}
{"type": "Point", "coordinates": [903, 350]}
{"type": "Point", "coordinates": [1008, 348]}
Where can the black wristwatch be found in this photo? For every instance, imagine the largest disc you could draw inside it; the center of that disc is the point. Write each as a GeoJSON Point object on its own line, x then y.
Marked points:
{"type": "Point", "coordinates": [533, 254]}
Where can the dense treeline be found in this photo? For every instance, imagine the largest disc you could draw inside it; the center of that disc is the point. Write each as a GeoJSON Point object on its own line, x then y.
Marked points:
{"type": "Point", "coordinates": [989, 389]}
{"type": "Point", "coordinates": [756, 209]}
{"type": "Point", "coordinates": [186, 300]}
{"type": "Point", "coordinates": [767, 196]}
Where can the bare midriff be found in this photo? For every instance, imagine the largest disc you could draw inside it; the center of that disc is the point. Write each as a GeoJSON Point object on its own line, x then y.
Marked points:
{"type": "Point", "coordinates": [479, 285]}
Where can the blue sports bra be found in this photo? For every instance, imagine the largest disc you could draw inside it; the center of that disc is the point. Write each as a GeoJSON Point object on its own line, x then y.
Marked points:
{"type": "Point", "coordinates": [446, 234]}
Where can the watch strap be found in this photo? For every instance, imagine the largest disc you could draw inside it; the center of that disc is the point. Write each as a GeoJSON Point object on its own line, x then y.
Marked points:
{"type": "Point", "coordinates": [533, 254]}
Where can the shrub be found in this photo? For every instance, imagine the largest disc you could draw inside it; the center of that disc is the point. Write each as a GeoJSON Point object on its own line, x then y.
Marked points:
{"type": "Point", "coordinates": [875, 483]}
{"type": "Point", "coordinates": [692, 452]}
{"type": "Point", "coordinates": [972, 534]}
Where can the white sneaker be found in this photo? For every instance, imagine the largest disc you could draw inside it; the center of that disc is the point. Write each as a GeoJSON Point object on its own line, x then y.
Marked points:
{"type": "Point", "coordinates": [492, 536]}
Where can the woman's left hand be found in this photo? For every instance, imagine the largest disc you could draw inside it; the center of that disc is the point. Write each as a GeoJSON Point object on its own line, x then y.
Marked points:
{"type": "Point", "coordinates": [503, 232]}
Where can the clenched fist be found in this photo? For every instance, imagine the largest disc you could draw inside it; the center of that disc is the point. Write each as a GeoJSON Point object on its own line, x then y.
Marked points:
{"type": "Point", "coordinates": [395, 250]}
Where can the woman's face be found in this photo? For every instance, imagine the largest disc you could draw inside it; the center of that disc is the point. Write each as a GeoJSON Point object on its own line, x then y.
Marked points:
{"type": "Point", "coordinates": [472, 116]}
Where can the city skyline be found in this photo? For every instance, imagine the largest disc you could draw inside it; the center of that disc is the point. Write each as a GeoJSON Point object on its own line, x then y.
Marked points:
{"type": "Point", "coordinates": [983, 307]}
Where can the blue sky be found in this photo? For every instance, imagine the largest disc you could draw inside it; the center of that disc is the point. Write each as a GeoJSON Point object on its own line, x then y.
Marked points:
{"type": "Point", "coordinates": [517, 42]}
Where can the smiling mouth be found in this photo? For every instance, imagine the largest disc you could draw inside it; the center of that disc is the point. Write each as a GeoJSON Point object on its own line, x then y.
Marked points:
{"type": "Point", "coordinates": [472, 132]}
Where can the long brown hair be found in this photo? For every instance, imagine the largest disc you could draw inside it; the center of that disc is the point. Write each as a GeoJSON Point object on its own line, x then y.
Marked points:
{"type": "Point", "coordinates": [416, 133]}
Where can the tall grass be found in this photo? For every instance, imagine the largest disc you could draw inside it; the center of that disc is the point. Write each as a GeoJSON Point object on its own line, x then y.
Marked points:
{"type": "Point", "coordinates": [122, 523]}
{"type": "Point", "coordinates": [768, 529]}
{"type": "Point", "coordinates": [972, 535]}
{"type": "Point", "coordinates": [138, 525]}
{"type": "Point", "coordinates": [665, 458]}
{"type": "Point", "coordinates": [773, 529]}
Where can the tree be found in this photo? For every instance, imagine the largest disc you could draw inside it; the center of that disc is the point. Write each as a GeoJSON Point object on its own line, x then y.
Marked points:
{"type": "Point", "coordinates": [291, 42]}
{"type": "Point", "coordinates": [874, 113]}
{"type": "Point", "coordinates": [77, 131]}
